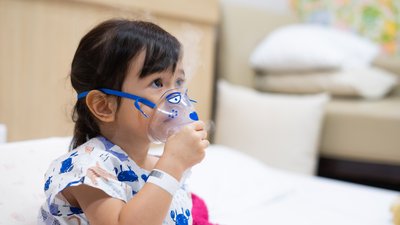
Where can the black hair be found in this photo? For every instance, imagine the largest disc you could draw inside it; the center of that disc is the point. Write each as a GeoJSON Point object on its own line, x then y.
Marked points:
{"type": "Point", "coordinates": [102, 60]}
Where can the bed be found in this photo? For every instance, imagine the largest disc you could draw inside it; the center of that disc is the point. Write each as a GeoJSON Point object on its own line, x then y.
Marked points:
{"type": "Point", "coordinates": [242, 190]}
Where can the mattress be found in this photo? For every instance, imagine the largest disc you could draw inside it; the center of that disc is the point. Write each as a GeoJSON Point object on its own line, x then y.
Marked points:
{"type": "Point", "coordinates": [238, 189]}
{"type": "Point", "coordinates": [241, 190]}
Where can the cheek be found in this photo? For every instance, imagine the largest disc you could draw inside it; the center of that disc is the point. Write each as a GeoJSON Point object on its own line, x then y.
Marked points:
{"type": "Point", "coordinates": [128, 116]}
{"type": "Point", "coordinates": [142, 120]}
{"type": "Point", "coordinates": [147, 110]}
{"type": "Point", "coordinates": [132, 121]}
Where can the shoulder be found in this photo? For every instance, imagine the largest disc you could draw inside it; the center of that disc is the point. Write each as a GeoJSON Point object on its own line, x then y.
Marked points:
{"type": "Point", "coordinates": [85, 155]}
{"type": "Point", "coordinates": [89, 164]}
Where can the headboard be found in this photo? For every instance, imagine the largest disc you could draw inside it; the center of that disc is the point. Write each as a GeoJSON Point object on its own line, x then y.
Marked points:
{"type": "Point", "coordinates": [39, 38]}
{"type": "Point", "coordinates": [243, 26]}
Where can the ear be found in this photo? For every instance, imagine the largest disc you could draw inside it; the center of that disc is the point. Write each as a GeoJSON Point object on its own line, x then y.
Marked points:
{"type": "Point", "coordinates": [102, 106]}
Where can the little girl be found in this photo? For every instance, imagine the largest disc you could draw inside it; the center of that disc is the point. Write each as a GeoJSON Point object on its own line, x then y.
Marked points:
{"type": "Point", "coordinates": [120, 69]}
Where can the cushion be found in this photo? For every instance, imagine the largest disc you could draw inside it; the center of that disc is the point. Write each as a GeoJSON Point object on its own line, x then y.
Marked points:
{"type": "Point", "coordinates": [282, 131]}
{"type": "Point", "coordinates": [370, 83]}
{"type": "Point", "coordinates": [307, 47]}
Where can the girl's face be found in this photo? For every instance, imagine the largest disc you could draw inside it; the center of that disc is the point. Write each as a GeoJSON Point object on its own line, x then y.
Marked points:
{"type": "Point", "coordinates": [131, 121]}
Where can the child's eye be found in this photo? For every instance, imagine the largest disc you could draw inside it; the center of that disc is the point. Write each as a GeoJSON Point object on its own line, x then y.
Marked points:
{"type": "Point", "coordinates": [157, 83]}
{"type": "Point", "coordinates": [179, 83]}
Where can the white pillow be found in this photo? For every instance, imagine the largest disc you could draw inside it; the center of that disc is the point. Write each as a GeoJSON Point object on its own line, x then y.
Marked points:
{"type": "Point", "coordinates": [282, 131]}
{"type": "Point", "coordinates": [369, 83]}
{"type": "Point", "coordinates": [306, 47]}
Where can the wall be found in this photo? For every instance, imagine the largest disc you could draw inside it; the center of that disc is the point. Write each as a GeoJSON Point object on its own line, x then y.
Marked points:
{"type": "Point", "coordinates": [39, 37]}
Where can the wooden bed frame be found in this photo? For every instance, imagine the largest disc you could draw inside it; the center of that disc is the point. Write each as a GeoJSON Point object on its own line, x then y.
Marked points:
{"type": "Point", "coordinates": [368, 173]}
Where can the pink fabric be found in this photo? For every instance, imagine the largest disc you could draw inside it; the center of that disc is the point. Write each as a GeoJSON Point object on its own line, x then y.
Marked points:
{"type": "Point", "coordinates": [200, 211]}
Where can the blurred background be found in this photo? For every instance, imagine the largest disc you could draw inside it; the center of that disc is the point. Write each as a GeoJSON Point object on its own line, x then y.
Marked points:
{"type": "Point", "coordinates": [308, 86]}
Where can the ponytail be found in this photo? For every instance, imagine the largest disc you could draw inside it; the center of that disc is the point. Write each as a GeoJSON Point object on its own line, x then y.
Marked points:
{"type": "Point", "coordinates": [85, 125]}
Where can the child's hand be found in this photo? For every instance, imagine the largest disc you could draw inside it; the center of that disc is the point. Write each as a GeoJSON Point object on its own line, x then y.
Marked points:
{"type": "Point", "coordinates": [187, 147]}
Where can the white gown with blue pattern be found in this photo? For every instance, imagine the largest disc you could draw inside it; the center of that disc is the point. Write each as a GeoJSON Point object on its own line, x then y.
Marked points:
{"type": "Point", "coordinates": [100, 164]}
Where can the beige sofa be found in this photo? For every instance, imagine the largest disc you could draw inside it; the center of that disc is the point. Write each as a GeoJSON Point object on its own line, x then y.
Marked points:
{"type": "Point", "coordinates": [356, 133]}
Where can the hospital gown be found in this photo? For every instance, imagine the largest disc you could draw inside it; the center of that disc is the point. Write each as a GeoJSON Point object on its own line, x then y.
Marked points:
{"type": "Point", "coordinates": [101, 164]}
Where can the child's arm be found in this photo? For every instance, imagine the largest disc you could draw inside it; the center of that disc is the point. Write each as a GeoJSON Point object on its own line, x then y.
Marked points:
{"type": "Point", "coordinates": [151, 204]}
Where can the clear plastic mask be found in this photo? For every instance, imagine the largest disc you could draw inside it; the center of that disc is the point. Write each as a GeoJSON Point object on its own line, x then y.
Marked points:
{"type": "Point", "coordinates": [173, 111]}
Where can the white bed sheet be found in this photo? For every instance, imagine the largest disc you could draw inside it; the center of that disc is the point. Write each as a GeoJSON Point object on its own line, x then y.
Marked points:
{"type": "Point", "coordinates": [237, 189]}
{"type": "Point", "coordinates": [240, 190]}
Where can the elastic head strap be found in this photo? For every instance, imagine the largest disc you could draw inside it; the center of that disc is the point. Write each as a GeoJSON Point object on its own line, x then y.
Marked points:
{"type": "Point", "coordinates": [123, 95]}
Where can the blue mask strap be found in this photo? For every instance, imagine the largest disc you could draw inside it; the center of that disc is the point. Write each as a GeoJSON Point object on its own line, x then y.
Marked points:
{"type": "Point", "coordinates": [124, 95]}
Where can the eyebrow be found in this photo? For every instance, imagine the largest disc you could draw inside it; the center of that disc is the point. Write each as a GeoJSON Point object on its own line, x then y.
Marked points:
{"type": "Point", "coordinates": [181, 71]}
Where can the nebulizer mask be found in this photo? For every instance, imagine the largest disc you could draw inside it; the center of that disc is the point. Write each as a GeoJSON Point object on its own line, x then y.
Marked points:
{"type": "Point", "coordinates": [173, 111]}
